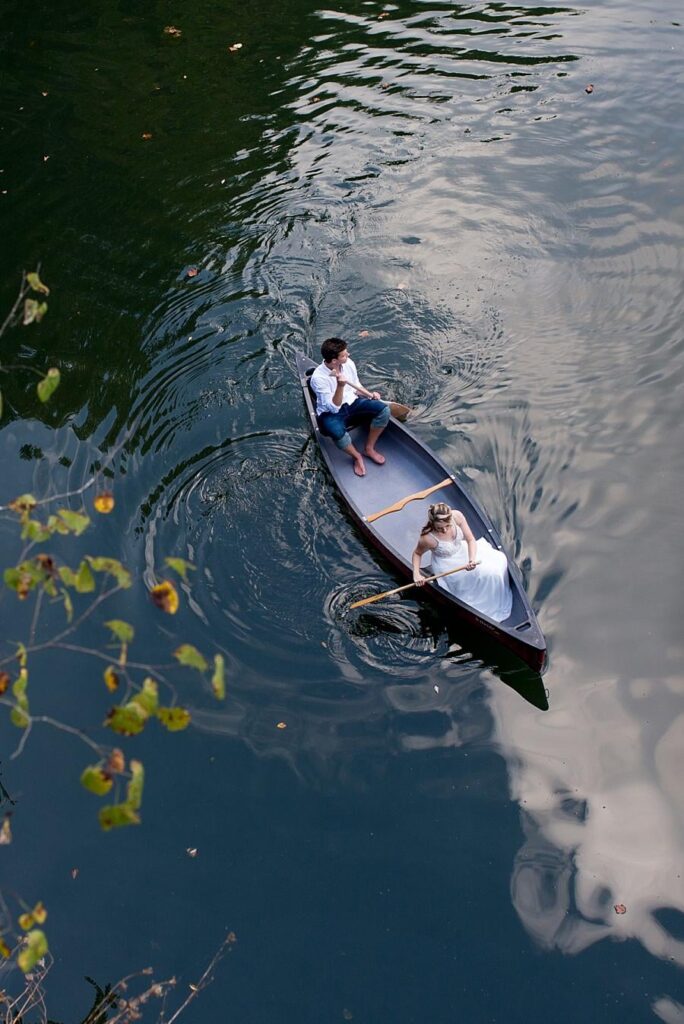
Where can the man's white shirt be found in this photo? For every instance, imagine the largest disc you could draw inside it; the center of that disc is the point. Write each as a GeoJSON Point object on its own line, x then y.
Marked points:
{"type": "Point", "coordinates": [324, 383]}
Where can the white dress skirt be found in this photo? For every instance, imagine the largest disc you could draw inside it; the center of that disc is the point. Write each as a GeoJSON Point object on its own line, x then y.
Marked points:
{"type": "Point", "coordinates": [485, 588]}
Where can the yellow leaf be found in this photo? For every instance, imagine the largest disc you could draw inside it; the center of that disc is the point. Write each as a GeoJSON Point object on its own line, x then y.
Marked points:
{"type": "Point", "coordinates": [6, 832]}
{"type": "Point", "coordinates": [39, 913]}
{"type": "Point", "coordinates": [111, 679]}
{"type": "Point", "coordinates": [26, 921]}
{"type": "Point", "coordinates": [104, 503]}
{"type": "Point", "coordinates": [281, 725]}
{"type": "Point", "coordinates": [165, 596]}
{"type": "Point", "coordinates": [218, 680]}
{"type": "Point", "coordinates": [4, 949]}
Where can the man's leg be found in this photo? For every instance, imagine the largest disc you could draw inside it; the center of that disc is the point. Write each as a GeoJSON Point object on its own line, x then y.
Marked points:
{"type": "Point", "coordinates": [379, 414]}
{"type": "Point", "coordinates": [335, 426]}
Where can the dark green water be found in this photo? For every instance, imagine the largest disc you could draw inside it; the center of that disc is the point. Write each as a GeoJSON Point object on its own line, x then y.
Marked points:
{"type": "Point", "coordinates": [421, 843]}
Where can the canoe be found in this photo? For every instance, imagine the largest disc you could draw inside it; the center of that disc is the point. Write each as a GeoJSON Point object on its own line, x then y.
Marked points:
{"type": "Point", "coordinates": [412, 467]}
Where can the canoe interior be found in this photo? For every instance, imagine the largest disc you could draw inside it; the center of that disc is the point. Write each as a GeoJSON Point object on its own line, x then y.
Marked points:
{"type": "Point", "coordinates": [411, 467]}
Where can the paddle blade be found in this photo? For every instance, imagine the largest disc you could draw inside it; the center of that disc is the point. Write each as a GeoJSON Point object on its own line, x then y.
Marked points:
{"type": "Point", "coordinates": [399, 411]}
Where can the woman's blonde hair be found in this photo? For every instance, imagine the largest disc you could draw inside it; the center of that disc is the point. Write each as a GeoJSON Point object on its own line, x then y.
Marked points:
{"type": "Point", "coordinates": [439, 513]}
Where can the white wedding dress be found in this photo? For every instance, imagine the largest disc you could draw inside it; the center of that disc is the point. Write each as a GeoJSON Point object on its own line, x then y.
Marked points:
{"type": "Point", "coordinates": [485, 588]}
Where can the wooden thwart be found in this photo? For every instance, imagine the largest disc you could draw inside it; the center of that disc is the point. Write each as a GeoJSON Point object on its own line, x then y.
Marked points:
{"type": "Point", "coordinates": [407, 586]}
{"type": "Point", "coordinates": [398, 505]}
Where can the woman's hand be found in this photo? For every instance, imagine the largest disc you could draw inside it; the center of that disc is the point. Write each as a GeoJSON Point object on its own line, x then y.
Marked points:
{"type": "Point", "coordinates": [419, 579]}
{"type": "Point", "coordinates": [376, 396]}
{"type": "Point", "coordinates": [471, 565]}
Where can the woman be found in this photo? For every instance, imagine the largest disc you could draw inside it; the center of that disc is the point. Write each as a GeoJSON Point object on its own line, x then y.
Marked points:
{"type": "Point", "coordinates": [484, 586]}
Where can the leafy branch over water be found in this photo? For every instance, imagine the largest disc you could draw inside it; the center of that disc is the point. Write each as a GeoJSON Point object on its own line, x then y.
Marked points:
{"type": "Point", "coordinates": [44, 582]}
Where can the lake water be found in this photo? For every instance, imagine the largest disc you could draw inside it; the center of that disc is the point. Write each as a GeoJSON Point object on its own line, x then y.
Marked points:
{"type": "Point", "coordinates": [503, 251]}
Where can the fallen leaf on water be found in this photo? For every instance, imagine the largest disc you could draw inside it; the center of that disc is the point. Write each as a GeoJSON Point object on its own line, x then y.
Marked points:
{"type": "Point", "coordinates": [146, 136]}
{"type": "Point", "coordinates": [44, 93]}
{"type": "Point", "coordinates": [589, 88]}
{"type": "Point", "coordinates": [364, 334]}
{"type": "Point", "coordinates": [232, 937]}
{"type": "Point", "coordinates": [235, 46]}
{"type": "Point", "coordinates": [104, 503]}
{"type": "Point", "coordinates": [74, 873]}
{"type": "Point", "coordinates": [192, 272]}
{"type": "Point", "coordinates": [191, 851]}
{"type": "Point", "coordinates": [171, 30]}
{"type": "Point", "coordinates": [281, 725]}
{"type": "Point", "coordinates": [193, 988]}
{"type": "Point", "coordinates": [620, 908]}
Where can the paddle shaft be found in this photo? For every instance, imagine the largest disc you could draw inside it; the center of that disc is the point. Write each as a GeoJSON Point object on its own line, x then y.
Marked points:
{"type": "Point", "coordinates": [399, 411]}
{"type": "Point", "coordinates": [406, 586]}
{"type": "Point", "coordinates": [398, 505]}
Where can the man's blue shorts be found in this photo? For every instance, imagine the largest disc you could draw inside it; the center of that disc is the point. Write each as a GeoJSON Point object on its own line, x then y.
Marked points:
{"type": "Point", "coordinates": [362, 410]}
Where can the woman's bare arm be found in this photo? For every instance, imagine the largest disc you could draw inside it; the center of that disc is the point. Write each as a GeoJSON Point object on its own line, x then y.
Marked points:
{"type": "Point", "coordinates": [461, 521]}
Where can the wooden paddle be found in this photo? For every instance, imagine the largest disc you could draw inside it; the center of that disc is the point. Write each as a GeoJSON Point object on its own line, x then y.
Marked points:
{"type": "Point", "coordinates": [407, 586]}
{"type": "Point", "coordinates": [399, 411]}
{"type": "Point", "coordinates": [398, 505]}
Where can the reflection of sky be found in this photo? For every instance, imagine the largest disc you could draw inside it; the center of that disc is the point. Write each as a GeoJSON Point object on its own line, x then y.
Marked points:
{"type": "Point", "coordinates": [600, 791]}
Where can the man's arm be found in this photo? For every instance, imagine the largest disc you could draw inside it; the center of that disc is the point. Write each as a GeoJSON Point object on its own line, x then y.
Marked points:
{"type": "Point", "coordinates": [328, 402]}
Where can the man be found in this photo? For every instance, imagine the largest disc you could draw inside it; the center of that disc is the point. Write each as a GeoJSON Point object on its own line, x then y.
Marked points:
{"type": "Point", "coordinates": [337, 387]}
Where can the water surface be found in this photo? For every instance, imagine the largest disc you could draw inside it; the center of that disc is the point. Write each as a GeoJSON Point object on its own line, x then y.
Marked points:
{"type": "Point", "coordinates": [503, 251]}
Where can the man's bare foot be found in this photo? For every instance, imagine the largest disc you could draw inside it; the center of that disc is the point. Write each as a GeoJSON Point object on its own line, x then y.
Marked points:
{"type": "Point", "coordinates": [375, 456]}
{"type": "Point", "coordinates": [359, 467]}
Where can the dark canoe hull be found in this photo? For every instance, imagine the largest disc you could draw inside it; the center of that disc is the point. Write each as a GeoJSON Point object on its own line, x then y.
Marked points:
{"type": "Point", "coordinates": [411, 467]}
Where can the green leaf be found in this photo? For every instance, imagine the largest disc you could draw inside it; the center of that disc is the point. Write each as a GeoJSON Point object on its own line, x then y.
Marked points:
{"type": "Point", "coordinates": [121, 630]}
{"type": "Point", "coordinates": [84, 581]}
{"type": "Point", "coordinates": [34, 311]}
{"type": "Point", "coordinates": [56, 525]}
{"type": "Point", "coordinates": [67, 576]}
{"type": "Point", "coordinates": [117, 815]}
{"type": "Point", "coordinates": [34, 282]}
{"type": "Point", "coordinates": [35, 531]}
{"type": "Point", "coordinates": [22, 655]}
{"type": "Point", "coordinates": [34, 950]}
{"type": "Point", "coordinates": [49, 384]}
{"type": "Point", "coordinates": [180, 565]}
{"type": "Point", "coordinates": [135, 786]}
{"type": "Point", "coordinates": [218, 680]}
{"type": "Point", "coordinates": [19, 718]}
{"type": "Point", "coordinates": [148, 697]}
{"type": "Point", "coordinates": [174, 719]}
{"type": "Point", "coordinates": [24, 503]}
{"type": "Point", "coordinates": [128, 719]}
{"type": "Point", "coordinates": [114, 568]}
{"type": "Point", "coordinates": [68, 605]}
{"type": "Point", "coordinates": [189, 655]}
{"type": "Point", "coordinates": [96, 780]}
{"type": "Point", "coordinates": [19, 688]}
{"type": "Point", "coordinates": [75, 521]}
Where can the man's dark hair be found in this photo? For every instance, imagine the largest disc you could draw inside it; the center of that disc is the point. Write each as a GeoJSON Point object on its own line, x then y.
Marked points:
{"type": "Point", "coordinates": [331, 348]}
